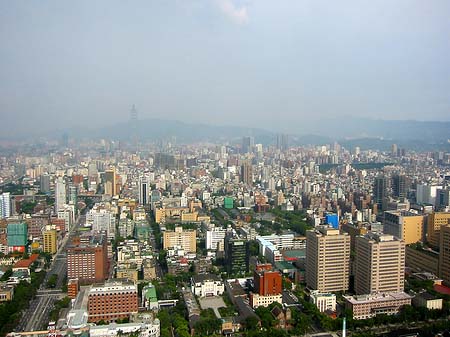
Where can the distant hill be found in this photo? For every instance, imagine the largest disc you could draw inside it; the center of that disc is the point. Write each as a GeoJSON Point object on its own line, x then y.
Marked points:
{"type": "Point", "coordinates": [349, 132]}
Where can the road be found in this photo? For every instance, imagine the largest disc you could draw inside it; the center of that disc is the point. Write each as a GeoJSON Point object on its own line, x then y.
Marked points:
{"type": "Point", "coordinates": [37, 315]}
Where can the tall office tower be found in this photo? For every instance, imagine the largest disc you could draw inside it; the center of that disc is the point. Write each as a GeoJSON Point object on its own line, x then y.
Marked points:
{"type": "Point", "coordinates": [426, 194]}
{"type": "Point", "coordinates": [404, 225]}
{"type": "Point", "coordinates": [327, 259]}
{"type": "Point", "coordinates": [394, 150]}
{"type": "Point", "coordinates": [88, 261]}
{"type": "Point", "coordinates": [247, 173]}
{"type": "Point", "coordinates": [236, 254]}
{"type": "Point", "coordinates": [247, 144]}
{"type": "Point", "coordinates": [282, 142]}
{"type": "Point", "coordinates": [73, 195]}
{"type": "Point", "coordinates": [116, 299]}
{"type": "Point", "coordinates": [435, 222]}
{"type": "Point", "coordinates": [110, 182]}
{"type": "Point", "coordinates": [44, 183]}
{"type": "Point", "coordinates": [444, 254]}
{"type": "Point", "coordinates": [60, 194]}
{"type": "Point", "coordinates": [144, 190]}
{"type": "Point", "coordinates": [380, 190]}
{"type": "Point", "coordinates": [184, 239]}
{"type": "Point", "coordinates": [92, 170]}
{"type": "Point", "coordinates": [50, 241]}
{"type": "Point", "coordinates": [379, 264]}
{"type": "Point", "coordinates": [443, 198]}
{"type": "Point", "coordinates": [5, 205]}
{"type": "Point", "coordinates": [400, 186]}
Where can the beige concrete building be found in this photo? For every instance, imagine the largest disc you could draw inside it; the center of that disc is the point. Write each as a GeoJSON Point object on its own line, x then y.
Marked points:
{"type": "Point", "coordinates": [379, 264]}
{"type": "Point", "coordinates": [186, 239]}
{"type": "Point", "coordinates": [419, 259]}
{"type": "Point", "coordinates": [444, 255]}
{"type": "Point", "coordinates": [368, 306]}
{"type": "Point", "coordinates": [404, 225]}
{"type": "Point", "coordinates": [50, 241]}
{"type": "Point", "coordinates": [435, 221]}
{"type": "Point", "coordinates": [327, 259]}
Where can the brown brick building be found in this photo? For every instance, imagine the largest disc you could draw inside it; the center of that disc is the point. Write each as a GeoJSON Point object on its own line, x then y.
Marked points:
{"type": "Point", "coordinates": [87, 260]}
{"type": "Point", "coordinates": [113, 300]}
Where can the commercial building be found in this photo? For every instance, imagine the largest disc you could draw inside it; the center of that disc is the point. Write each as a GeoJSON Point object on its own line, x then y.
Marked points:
{"type": "Point", "coordinates": [327, 259]}
{"type": "Point", "coordinates": [5, 205]}
{"type": "Point", "coordinates": [50, 241]}
{"type": "Point", "coordinates": [151, 328]}
{"type": "Point", "coordinates": [268, 286]}
{"type": "Point", "coordinates": [323, 301]}
{"type": "Point", "coordinates": [17, 236]}
{"type": "Point", "coordinates": [420, 259]}
{"type": "Point", "coordinates": [204, 285]}
{"type": "Point", "coordinates": [368, 306]}
{"type": "Point", "coordinates": [236, 255]}
{"type": "Point", "coordinates": [184, 239]}
{"type": "Point", "coordinates": [116, 299]}
{"type": "Point", "coordinates": [404, 225]}
{"type": "Point", "coordinates": [60, 194]}
{"type": "Point", "coordinates": [435, 221]}
{"type": "Point", "coordinates": [6, 292]}
{"type": "Point", "coordinates": [215, 238]}
{"type": "Point", "coordinates": [444, 255]}
{"type": "Point", "coordinates": [144, 190]}
{"type": "Point", "coordinates": [379, 264]}
{"type": "Point", "coordinates": [88, 261]}
{"type": "Point", "coordinates": [111, 182]}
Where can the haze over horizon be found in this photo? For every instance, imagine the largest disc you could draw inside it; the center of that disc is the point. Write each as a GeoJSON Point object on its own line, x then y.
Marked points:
{"type": "Point", "coordinates": [223, 62]}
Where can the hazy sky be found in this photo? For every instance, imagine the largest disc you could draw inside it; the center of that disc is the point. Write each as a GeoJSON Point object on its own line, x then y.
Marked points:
{"type": "Point", "coordinates": [248, 62]}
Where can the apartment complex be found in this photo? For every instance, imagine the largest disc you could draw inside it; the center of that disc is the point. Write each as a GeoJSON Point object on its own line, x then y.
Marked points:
{"type": "Point", "coordinates": [50, 241]}
{"type": "Point", "coordinates": [379, 264]}
{"type": "Point", "coordinates": [327, 259]}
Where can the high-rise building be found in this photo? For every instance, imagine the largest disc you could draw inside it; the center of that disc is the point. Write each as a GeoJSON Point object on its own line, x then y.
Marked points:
{"type": "Point", "coordinates": [247, 144]}
{"type": "Point", "coordinates": [426, 194]}
{"type": "Point", "coordinates": [50, 241]}
{"type": "Point", "coordinates": [247, 173]}
{"type": "Point", "coordinates": [73, 195]}
{"type": "Point", "coordinates": [443, 198]}
{"type": "Point", "coordinates": [144, 190]}
{"type": "Point", "coordinates": [404, 225]}
{"type": "Point", "coordinates": [44, 183]}
{"type": "Point", "coordinates": [111, 182]}
{"type": "Point", "coordinates": [400, 186]}
{"type": "Point", "coordinates": [5, 205]}
{"type": "Point", "coordinates": [444, 254]}
{"type": "Point", "coordinates": [282, 142]}
{"type": "Point", "coordinates": [184, 239]}
{"type": "Point", "coordinates": [236, 255]}
{"type": "Point", "coordinates": [60, 194]}
{"type": "Point", "coordinates": [435, 221]}
{"type": "Point", "coordinates": [327, 259]}
{"type": "Point", "coordinates": [87, 259]}
{"type": "Point", "coordinates": [379, 264]}
{"type": "Point", "coordinates": [116, 299]}
{"type": "Point", "coordinates": [380, 188]}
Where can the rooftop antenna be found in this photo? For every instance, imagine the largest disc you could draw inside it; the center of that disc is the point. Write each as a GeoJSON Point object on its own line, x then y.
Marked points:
{"type": "Point", "coordinates": [134, 122]}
